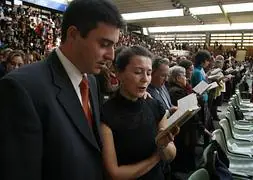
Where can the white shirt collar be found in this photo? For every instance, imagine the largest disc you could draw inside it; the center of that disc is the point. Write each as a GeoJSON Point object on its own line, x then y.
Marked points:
{"type": "Point", "coordinates": [74, 74]}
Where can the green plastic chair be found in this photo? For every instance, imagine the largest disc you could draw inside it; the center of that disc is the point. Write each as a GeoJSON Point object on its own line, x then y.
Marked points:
{"type": "Point", "coordinates": [200, 174]}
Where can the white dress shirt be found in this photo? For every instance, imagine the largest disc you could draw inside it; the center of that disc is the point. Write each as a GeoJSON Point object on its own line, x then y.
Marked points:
{"type": "Point", "coordinates": [74, 74]}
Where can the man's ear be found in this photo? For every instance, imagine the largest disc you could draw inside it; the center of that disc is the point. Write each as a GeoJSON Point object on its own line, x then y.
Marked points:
{"type": "Point", "coordinates": [72, 33]}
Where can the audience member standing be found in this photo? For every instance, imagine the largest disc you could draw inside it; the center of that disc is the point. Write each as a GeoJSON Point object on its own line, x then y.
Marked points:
{"type": "Point", "coordinates": [157, 89]}
{"type": "Point", "coordinates": [131, 123]}
{"type": "Point", "coordinates": [186, 140]}
{"type": "Point", "coordinates": [202, 59]}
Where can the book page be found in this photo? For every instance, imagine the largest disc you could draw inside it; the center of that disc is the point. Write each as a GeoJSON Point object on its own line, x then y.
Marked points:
{"type": "Point", "coordinates": [230, 76]}
{"type": "Point", "coordinates": [201, 87]}
{"type": "Point", "coordinates": [213, 85]}
{"type": "Point", "coordinates": [215, 71]}
{"type": "Point", "coordinates": [187, 107]}
{"type": "Point", "coordinates": [188, 102]}
{"type": "Point", "coordinates": [216, 76]}
{"type": "Point", "coordinates": [229, 70]}
{"type": "Point", "coordinates": [177, 119]}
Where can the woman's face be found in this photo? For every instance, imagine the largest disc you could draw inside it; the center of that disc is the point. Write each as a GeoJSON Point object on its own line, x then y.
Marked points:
{"type": "Point", "coordinates": [136, 77]}
{"type": "Point", "coordinates": [15, 63]}
{"type": "Point", "coordinates": [189, 71]}
{"type": "Point", "coordinates": [182, 80]}
{"type": "Point", "coordinates": [206, 63]}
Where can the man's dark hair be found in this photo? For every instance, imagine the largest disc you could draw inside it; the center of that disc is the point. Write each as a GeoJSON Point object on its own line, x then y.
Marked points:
{"type": "Point", "coordinates": [201, 57]}
{"type": "Point", "coordinates": [158, 61]}
{"type": "Point", "coordinates": [86, 14]}
{"type": "Point", "coordinates": [126, 54]}
{"type": "Point", "coordinates": [185, 63]}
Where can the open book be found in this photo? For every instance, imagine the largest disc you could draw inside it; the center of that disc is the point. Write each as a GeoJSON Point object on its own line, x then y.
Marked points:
{"type": "Point", "coordinates": [215, 71]}
{"type": "Point", "coordinates": [216, 77]}
{"type": "Point", "coordinates": [229, 70]}
{"type": "Point", "coordinates": [187, 108]}
{"type": "Point", "coordinates": [203, 86]}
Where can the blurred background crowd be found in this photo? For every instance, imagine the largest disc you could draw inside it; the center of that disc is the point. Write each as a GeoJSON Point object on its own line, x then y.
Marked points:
{"type": "Point", "coordinates": [28, 35]}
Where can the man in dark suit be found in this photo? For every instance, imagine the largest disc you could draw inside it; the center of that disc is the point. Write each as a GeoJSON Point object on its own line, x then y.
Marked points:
{"type": "Point", "coordinates": [157, 89]}
{"type": "Point", "coordinates": [49, 128]}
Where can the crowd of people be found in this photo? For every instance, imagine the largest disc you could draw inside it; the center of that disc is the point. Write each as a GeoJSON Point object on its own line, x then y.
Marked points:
{"type": "Point", "coordinates": [58, 121]}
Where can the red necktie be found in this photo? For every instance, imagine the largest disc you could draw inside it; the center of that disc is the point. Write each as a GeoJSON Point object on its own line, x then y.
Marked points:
{"type": "Point", "coordinates": [84, 89]}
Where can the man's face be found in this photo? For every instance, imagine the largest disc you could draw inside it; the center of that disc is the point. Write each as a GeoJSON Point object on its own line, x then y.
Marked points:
{"type": "Point", "coordinates": [96, 49]}
{"type": "Point", "coordinates": [160, 75]}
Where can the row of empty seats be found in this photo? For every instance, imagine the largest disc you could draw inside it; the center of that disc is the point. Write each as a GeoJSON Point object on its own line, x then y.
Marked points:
{"type": "Point", "coordinates": [235, 137]}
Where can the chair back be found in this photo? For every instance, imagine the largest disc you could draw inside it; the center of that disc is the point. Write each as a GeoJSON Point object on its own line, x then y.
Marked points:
{"type": "Point", "coordinates": [220, 138]}
{"type": "Point", "coordinates": [226, 128]}
{"type": "Point", "coordinates": [200, 174]}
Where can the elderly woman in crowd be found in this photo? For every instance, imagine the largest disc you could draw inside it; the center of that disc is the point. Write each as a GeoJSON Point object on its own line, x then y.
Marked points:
{"type": "Point", "coordinates": [130, 123]}
{"type": "Point", "coordinates": [188, 65]}
{"type": "Point", "coordinates": [186, 139]}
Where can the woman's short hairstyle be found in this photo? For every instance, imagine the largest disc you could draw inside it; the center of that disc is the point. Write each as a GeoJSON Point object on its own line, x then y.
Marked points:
{"type": "Point", "coordinates": [219, 57]}
{"type": "Point", "coordinates": [124, 57]}
{"type": "Point", "coordinates": [201, 57]}
{"type": "Point", "coordinates": [175, 72]}
{"type": "Point", "coordinates": [218, 64]}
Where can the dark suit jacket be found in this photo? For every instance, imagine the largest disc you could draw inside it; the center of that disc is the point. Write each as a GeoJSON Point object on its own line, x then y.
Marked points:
{"type": "Point", "coordinates": [44, 133]}
{"type": "Point", "coordinates": [155, 94]}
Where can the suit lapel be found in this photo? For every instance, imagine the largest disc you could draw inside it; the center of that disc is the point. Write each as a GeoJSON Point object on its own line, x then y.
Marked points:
{"type": "Point", "coordinates": [167, 95]}
{"type": "Point", "coordinates": [95, 107]}
{"type": "Point", "coordinates": [68, 99]}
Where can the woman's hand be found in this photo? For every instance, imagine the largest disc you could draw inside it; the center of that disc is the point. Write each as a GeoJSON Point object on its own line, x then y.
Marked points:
{"type": "Point", "coordinates": [165, 140]}
{"type": "Point", "coordinates": [166, 147]}
{"type": "Point", "coordinates": [173, 109]}
{"type": "Point", "coordinates": [147, 95]}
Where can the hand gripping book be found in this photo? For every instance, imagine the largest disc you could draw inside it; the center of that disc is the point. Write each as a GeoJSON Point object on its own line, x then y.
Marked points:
{"type": "Point", "coordinates": [187, 108]}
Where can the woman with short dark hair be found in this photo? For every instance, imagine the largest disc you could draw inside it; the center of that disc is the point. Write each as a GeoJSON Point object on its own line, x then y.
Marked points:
{"type": "Point", "coordinates": [130, 123]}
{"type": "Point", "coordinates": [202, 60]}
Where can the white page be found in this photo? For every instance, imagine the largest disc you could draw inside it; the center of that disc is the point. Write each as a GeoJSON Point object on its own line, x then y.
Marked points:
{"type": "Point", "coordinates": [201, 87]}
{"type": "Point", "coordinates": [216, 76]}
{"type": "Point", "coordinates": [175, 116]}
{"type": "Point", "coordinates": [188, 102]}
{"type": "Point", "coordinates": [229, 70]}
{"type": "Point", "coordinates": [187, 107]}
{"type": "Point", "coordinates": [229, 76]}
{"type": "Point", "coordinates": [213, 85]}
{"type": "Point", "coordinates": [215, 71]}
